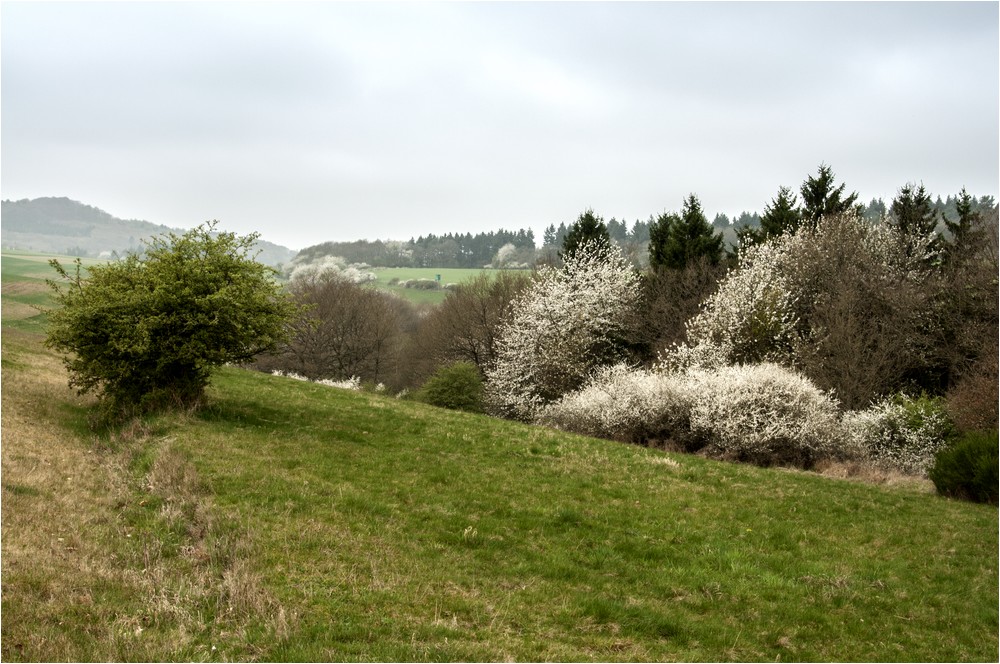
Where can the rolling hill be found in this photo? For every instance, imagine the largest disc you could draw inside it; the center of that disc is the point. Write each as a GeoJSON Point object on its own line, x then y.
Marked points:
{"type": "Point", "coordinates": [64, 226]}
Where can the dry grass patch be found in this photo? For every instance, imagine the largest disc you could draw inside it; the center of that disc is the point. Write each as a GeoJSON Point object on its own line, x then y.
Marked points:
{"type": "Point", "coordinates": [111, 548]}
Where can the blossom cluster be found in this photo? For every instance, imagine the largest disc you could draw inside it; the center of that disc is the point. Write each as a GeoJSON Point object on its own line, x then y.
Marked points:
{"type": "Point", "coordinates": [332, 267]}
{"type": "Point", "coordinates": [625, 403]}
{"type": "Point", "coordinates": [352, 383]}
{"type": "Point", "coordinates": [761, 413]}
{"type": "Point", "coordinates": [901, 433]}
{"type": "Point", "coordinates": [561, 328]}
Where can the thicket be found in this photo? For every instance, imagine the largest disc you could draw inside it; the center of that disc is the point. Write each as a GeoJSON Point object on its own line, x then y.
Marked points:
{"type": "Point", "coordinates": [466, 325]}
{"type": "Point", "coordinates": [344, 330]}
{"type": "Point", "coordinates": [804, 349]}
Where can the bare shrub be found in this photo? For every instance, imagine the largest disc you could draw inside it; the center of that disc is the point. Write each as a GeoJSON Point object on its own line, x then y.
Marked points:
{"type": "Point", "coordinates": [670, 298]}
{"type": "Point", "coordinates": [972, 402]}
{"type": "Point", "coordinates": [465, 326]}
{"type": "Point", "coordinates": [346, 331]}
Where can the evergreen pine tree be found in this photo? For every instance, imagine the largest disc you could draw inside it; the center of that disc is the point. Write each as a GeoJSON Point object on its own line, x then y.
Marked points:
{"type": "Point", "coordinates": [820, 198]}
{"type": "Point", "coordinates": [678, 240]}
{"type": "Point", "coordinates": [588, 228]}
{"type": "Point", "coordinates": [659, 239]}
{"type": "Point", "coordinates": [549, 236]}
{"type": "Point", "coordinates": [912, 210]}
{"type": "Point", "coordinates": [780, 216]}
{"type": "Point", "coordinates": [962, 228]}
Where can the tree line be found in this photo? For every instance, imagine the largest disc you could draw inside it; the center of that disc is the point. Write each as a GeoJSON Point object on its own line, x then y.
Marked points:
{"type": "Point", "coordinates": [855, 317]}
{"type": "Point", "coordinates": [452, 250]}
{"type": "Point", "coordinates": [816, 197]}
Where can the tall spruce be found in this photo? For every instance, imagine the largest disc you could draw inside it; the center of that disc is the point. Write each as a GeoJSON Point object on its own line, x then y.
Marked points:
{"type": "Point", "coordinates": [963, 228]}
{"type": "Point", "coordinates": [913, 213]}
{"type": "Point", "coordinates": [589, 228]}
{"type": "Point", "coordinates": [912, 210]}
{"type": "Point", "coordinates": [780, 216]}
{"type": "Point", "coordinates": [677, 240]}
{"type": "Point", "coordinates": [820, 198]}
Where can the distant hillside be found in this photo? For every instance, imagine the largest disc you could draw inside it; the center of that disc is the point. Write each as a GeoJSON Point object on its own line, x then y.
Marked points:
{"type": "Point", "coordinates": [65, 226]}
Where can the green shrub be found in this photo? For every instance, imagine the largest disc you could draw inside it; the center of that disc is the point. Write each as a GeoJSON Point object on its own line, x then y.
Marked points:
{"type": "Point", "coordinates": [146, 332]}
{"type": "Point", "coordinates": [457, 386]}
{"type": "Point", "coordinates": [967, 469]}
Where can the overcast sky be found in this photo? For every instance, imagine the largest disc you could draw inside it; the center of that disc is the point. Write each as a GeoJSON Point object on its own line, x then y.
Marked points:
{"type": "Point", "coordinates": [338, 121]}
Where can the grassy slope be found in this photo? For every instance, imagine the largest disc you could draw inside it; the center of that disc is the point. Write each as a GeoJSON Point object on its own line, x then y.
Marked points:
{"type": "Point", "coordinates": [293, 521]}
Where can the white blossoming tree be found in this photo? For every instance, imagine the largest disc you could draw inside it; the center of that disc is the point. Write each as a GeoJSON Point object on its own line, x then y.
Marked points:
{"type": "Point", "coordinates": [842, 301]}
{"type": "Point", "coordinates": [568, 323]}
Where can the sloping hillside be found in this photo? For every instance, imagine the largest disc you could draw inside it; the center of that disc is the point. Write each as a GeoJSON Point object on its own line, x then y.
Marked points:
{"type": "Point", "coordinates": [64, 226]}
{"type": "Point", "coordinates": [296, 522]}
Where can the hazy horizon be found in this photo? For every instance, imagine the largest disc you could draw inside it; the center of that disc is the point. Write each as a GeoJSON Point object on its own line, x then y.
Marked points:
{"type": "Point", "coordinates": [314, 122]}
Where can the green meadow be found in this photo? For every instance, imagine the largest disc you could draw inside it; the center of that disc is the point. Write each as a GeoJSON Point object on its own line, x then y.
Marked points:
{"type": "Point", "coordinates": [290, 521]}
{"type": "Point", "coordinates": [388, 275]}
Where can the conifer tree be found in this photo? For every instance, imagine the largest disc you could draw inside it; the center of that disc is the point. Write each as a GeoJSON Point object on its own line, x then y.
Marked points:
{"type": "Point", "coordinates": [820, 198]}
{"type": "Point", "coordinates": [913, 213]}
{"type": "Point", "coordinates": [659, 238]}
{"type": "Point", "coordinates": [780, 216]}
{"type": "Point", "coordinates": [676, 240]}
{"type": "Point", "coordinates": [962, 229]}
{"type": "Point", "coordinates": [912, 210]}
{"type": "Point", "coordinates": [588, 228]}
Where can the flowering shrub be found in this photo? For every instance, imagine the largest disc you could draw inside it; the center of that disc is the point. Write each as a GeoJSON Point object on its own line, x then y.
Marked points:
{"type": "Point", "coordinates": [706, 354]}
{"type": "Point", "coordinates": [623, 403]}
{"type": "Point", "coordinates": [752, 316]}
{"type": "Point", "coordinates": [901, 433]}
{"type": "Point", "coordinates": [764, 414]}
{"type": "Point", "coordinates": [567, 323]}
{"type": "Point", "coordinates": [331, 267]}
{"type": "Point", "coordinates": [352, 383]}
{"type": "Point", "coordinates": [843, 301]}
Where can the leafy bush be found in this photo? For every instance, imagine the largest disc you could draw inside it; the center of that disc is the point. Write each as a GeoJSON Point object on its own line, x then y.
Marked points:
{"type": "Point", "coordinates": [146, 332]}
{"type": "Point", "coordinates": [764, 414]}
{"type": "Point", "coordinates": [967, 469]}
{"type": "Point", "coordinates": [457, 386]}
{"type": "Point", "coordinates": [901, 433]}
{"type": "Point", "coordinates": [622, 403]}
